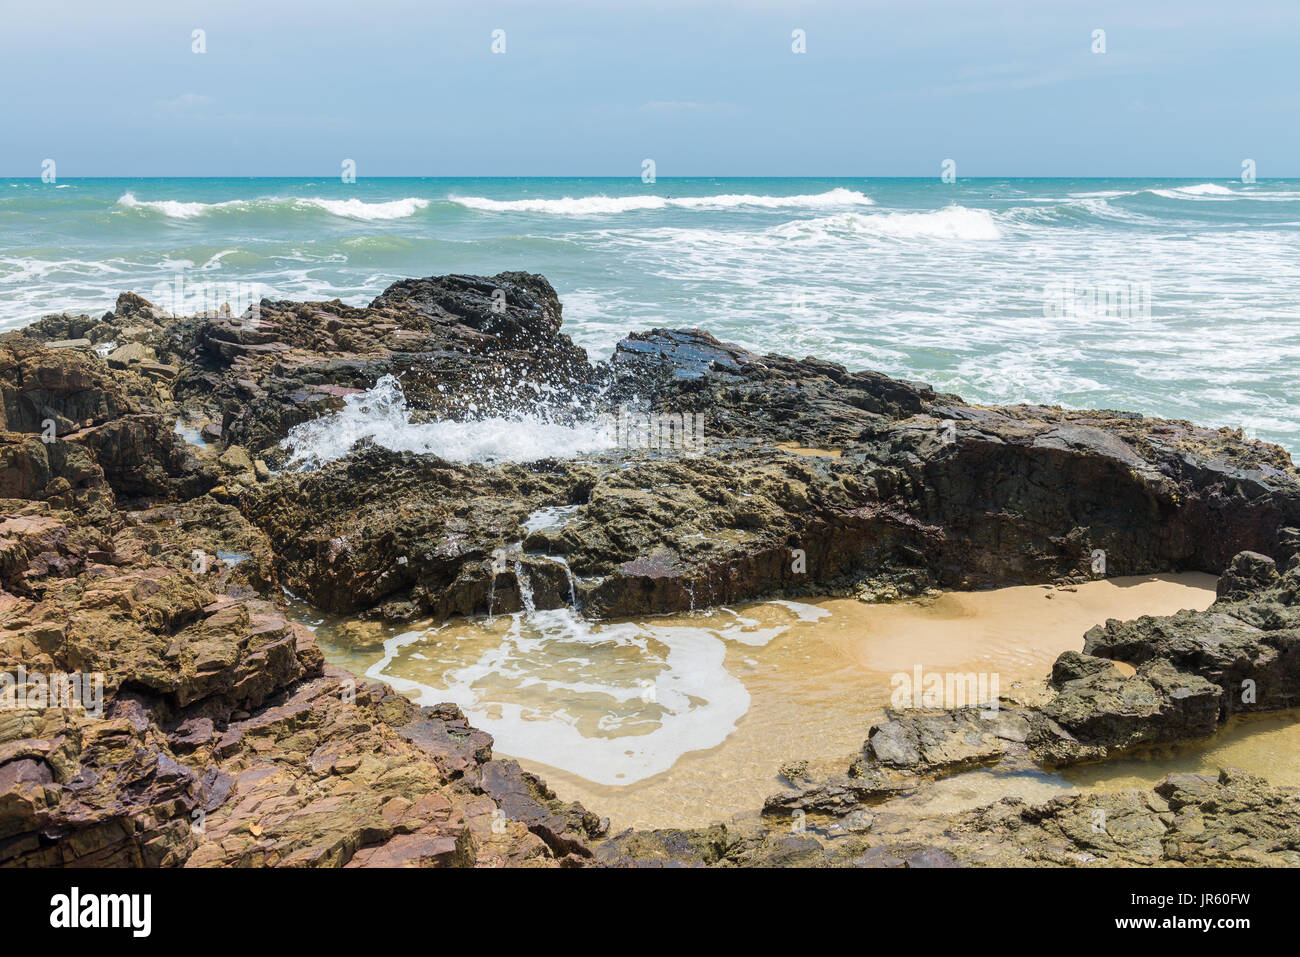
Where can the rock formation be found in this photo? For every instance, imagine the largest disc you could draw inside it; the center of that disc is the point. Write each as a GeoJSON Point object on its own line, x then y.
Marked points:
{"type": "Point", "coordinates": [149, 522]}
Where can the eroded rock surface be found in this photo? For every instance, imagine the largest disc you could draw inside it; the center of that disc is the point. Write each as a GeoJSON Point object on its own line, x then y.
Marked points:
{"type": "Point", "coordinates": [1188, 675]}
{"type": "Point", "coordinates": [811, 478]}
{"type": "Point", "coordinates": [148, 526]}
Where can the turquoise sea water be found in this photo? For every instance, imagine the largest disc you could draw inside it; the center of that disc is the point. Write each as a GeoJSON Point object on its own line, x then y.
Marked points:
{"type": "Point", "coordinates": [1174, 297]}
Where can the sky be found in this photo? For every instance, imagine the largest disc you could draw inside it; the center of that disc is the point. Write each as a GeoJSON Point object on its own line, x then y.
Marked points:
{"type": "Point", "coordinates": [704, 88]}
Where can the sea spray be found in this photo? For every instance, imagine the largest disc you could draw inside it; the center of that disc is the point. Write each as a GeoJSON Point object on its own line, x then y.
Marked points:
{"type": "Point", "coordinates": [888, 287]}
{"type": "Point", "coordinates": [380, 415]}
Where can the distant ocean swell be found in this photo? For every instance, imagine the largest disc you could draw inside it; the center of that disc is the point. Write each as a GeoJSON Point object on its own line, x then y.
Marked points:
{"type": "Point", "coordinates": [954, 284]}
{"type": "Point", "coordinates": [351, 208]}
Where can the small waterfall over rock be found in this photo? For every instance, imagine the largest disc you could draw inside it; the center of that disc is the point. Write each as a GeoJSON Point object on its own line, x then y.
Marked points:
{"type": "Point", "coordinates": [525, 587]}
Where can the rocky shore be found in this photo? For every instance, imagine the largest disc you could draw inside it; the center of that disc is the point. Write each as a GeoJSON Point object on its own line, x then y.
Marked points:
{"type": "Point", "coordinates": [151, 519]}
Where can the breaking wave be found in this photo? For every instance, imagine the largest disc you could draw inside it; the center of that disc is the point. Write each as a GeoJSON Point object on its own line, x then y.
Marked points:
{"type": "Point", "coordinates": [349, 208]}
{"type": "Point", "coordinates": [1189, 192]}
{"type": "Point", "coordinates": [951, 222]}
{"type": "Point", "coordinates": [607, 205]}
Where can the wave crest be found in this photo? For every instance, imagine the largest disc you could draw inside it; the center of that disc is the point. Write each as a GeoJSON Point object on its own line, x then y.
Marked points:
{"type": "Point", "coordinates": [356, 209]}
{"type": "Point", "coordinates": [608, 205]}
{"type": "Point", "coordinates": [1201, 189]}
{"type": "Point", "coordinates": [349, 208]}
{"type": "Point", "coordinates": [951, 222]}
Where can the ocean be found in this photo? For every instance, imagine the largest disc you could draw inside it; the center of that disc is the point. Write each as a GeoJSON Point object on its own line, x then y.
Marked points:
{"type": "Point", "coordinates": [1178, 298]}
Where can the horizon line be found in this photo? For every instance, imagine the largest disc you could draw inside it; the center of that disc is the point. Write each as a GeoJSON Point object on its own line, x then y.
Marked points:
{"type": "Point", "coordinates": [637, 178]}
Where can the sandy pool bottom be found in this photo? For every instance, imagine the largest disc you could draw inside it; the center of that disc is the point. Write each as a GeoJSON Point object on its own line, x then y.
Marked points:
{"type": "Point", "coordinates": [817, 687]}
{"type": "Point", "coordinates": [682, 721]}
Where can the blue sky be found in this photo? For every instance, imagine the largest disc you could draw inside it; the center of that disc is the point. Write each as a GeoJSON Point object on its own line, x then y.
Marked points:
{"type": "Point", "coordinates": [1004, 87]}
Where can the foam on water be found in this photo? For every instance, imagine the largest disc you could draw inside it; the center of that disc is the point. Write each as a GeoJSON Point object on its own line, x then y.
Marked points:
{"type": "Point", "coordinates": [1187, 192]}
{"type": "Point", "coordinates": [606, 205]}
{"type": "Point", "coordinates": [380, 415]}
{"type": "Point", "coordinates": [356, 209]}
{"type": "Point", "coordinates": [174, 209]}
{"type": "Point", "coordinates": [351, 208]}
{"type": "Point", "coordinates": [550, 517]}
{"type": "Point", "coordinates": [697, 711]}
{"type": "Point", "coordinates": [613, 702]}
{"type": "Point", "coordinates": [951, 222]}
{"type": "Point", "coordinates": [939, 282]}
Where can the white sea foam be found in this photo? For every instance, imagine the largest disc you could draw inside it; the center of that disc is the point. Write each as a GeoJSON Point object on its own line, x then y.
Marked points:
{"type": "Point", "coordinates": [802, 610]}
{"type": "Point", "coordinates": [951, 222]}
{"type": "Point", "coordinates": [552, 516]}
{"type": "Point", "coordinates": [1201, 189]}
{"type": "Point", "coordinates": [1211, 191]}
{"type": "Point", "coordinates": [1098, 194]}
{"type": "Point", "coordinates": [1079, 207]}
{"type": "Point", "coordinates": [173, 209]}
{"type": "Point", "coordinates": [27, 270]}
{"type": "Point", "coordinates": [604, 205]}
{"type": "Point", "coordinates": [380, 414]}
{"type": "Point", "coordinates": [612, 702]}
{"type": "Point", "coordinates": [870, 286]}
{"type": "Point", "coordinates": [350, 208]}
{"type": "Point", "coordinates": [356, 209]}
{"type": "Point", "coordinates": [720, 253]}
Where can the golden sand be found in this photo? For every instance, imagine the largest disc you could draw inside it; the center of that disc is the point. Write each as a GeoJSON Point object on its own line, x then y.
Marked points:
{"type": "Point", "coordinates": [771, 682]}
{"type": "Point", "coordinates": [816, 688]}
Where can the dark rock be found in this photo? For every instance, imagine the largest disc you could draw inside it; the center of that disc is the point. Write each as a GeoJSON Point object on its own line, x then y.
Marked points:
{"type": "Point", "coordinates": [225, 740]}
{"type": "Point", "coordinates": [1072, 666]}
{"type": "Point", "coordinates": [669, 847]}
{"type": "Point", "coordinates": [1249, 572]}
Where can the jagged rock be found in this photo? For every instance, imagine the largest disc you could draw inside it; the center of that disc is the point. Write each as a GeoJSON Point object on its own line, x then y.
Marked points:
{"type": "Point", "coordinates": [941, 741]}
{"type": "Point", "coordinates": [566, 828]}
{"type": "Point", "coordinates": [1249, 572]}
{"type": "Point", "coordinates": [1158, 704]}
{"type": "Point", "coordinates": [669, 847]}
{"type": "Point", "coordinates": [133, 353]}
{"type": "Point", "coordinates": [459, 342]}
{"type": "Point", "coordinates": [793, 770]}
{"type": "Point", "coordinates": [903, 752]}
{"type": "Point", "coordinates": [918, 489]}
{"type": "Point", "coordinates": [1247, 644]}
{"type": "Point", "coordinates": [1072, 666]}
{"type": "Point", "coordinates": [224, 740]}
{"type": "Point", "coordinates": [236, 459]}
{"type": "Point", "coordinates": [1191, 820]}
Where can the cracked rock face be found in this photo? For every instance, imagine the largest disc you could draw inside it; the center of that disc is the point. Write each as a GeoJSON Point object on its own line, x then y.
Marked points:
{"type": "Point", "coordinates": [1192, 672]}
{"type": "Point", "coordinates": [810, 480]}
{"type": "Point", "coordinates": [157, 563]}
{"type": "Point", "coordinates": [1229, 820]}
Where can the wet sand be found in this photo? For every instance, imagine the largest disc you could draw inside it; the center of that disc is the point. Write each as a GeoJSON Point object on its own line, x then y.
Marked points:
{"type": "Point", "coordinates": [740, 691]}
{"type": "Point", "coordinates": [817, 687]}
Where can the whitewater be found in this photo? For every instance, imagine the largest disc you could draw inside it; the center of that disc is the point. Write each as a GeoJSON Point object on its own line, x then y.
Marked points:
{"type": "Point", "coordinates": [948, 283]}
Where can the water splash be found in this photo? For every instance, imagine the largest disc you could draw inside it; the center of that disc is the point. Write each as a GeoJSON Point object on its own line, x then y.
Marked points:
{"type": "Point", "coordinates": [525, 587]}
{"type": "Point", "coordinates": [568, 573]}
{"type": "Point", "coordinates": [381, 415]}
